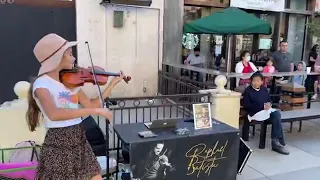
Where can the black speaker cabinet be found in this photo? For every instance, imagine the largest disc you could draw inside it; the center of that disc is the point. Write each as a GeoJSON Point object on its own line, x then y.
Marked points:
{"type": "Point", "coordinates": [130, 2]}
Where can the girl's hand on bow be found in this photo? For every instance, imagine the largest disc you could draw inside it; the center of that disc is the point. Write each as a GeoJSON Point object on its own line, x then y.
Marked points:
{"type": "Point", "coordinates": [104, 112]}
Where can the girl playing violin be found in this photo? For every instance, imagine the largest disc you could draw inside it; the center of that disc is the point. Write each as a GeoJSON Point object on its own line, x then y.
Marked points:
{"type": "Point", "coordinates": [66, 154]}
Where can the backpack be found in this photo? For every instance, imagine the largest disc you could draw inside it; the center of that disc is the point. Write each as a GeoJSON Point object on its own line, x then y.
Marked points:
{"type": "Point", "coordinates": [95, 136]}
{"type": "Point", "coordinates": [25, 154]}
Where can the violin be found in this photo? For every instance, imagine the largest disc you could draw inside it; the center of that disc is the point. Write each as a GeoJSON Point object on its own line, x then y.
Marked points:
{"type": "Point", "coordinates": [78, 76]}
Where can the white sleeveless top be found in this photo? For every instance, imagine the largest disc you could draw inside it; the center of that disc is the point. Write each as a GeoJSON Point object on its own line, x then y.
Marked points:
{"type": "Point", "coordinates": [63, 98]}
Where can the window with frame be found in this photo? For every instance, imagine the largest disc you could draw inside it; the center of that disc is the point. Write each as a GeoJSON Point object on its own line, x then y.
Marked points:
{"type": "Point", "coordinates": [296, 32]}
{"type": "Point", "coordinates": [297, 5]}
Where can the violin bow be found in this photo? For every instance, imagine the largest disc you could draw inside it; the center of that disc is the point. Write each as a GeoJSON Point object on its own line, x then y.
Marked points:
{"type": "Point", "coordinates": [103, 105]}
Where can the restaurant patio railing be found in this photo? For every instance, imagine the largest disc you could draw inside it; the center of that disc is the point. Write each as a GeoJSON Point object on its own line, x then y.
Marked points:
{"type": "Point", "coordinates": [176, 80]}
{"type": "Point", "coordinates": [169, 84]}
{"type": "Point", "coordinates": [175, 74]}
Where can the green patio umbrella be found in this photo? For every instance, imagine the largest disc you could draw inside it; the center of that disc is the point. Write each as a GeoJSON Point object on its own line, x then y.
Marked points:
{"type": "Point", "coordinates": [230, 21]}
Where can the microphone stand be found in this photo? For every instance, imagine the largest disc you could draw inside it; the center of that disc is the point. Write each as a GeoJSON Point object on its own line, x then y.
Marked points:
{"type": "Point", "coordinates": [103, 105]}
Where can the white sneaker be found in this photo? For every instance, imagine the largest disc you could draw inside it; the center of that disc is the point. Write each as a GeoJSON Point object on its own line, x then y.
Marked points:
{"type": "Point", "coordinates": [314, 96]}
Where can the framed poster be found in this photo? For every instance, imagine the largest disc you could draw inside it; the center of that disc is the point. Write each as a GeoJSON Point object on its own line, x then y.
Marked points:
{"type": "Point", "coordinates": [202, 116]}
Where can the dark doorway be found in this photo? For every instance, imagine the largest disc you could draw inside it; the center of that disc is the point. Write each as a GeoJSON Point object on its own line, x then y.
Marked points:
{"type": "Point", "coordinates": [23, 23]}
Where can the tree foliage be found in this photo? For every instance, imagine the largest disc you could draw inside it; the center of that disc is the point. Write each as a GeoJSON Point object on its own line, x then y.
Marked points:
{"type": "Point", "coordinates": [314, 27]}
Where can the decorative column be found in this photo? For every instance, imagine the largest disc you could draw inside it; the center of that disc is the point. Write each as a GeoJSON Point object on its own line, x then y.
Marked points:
{"type": "Point", "coordinates": [172, 31]}
{"type": "Point", "coordinates": [13, 124]}
{"type": "Point", "coordinates": [205, 45]}
{"type": "Point", "coordinates": [225, 103]}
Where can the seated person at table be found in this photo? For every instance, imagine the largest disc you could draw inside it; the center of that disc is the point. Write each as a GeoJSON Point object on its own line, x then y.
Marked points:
{"type": "Point", "coordinates": [197, 60]}
{"type": "Point", "coordinates": [245, 66]}
{"type": "Point", "coordinates": [300, 79]}
{"type": "Point", "coordinates": [256, 98]}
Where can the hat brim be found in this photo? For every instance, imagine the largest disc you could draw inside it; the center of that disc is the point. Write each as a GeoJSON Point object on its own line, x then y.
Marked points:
{"type": "Point", "coordinates": [53, 62]}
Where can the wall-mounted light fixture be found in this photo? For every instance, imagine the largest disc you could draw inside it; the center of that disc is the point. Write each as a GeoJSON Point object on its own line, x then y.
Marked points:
{"type": "Point", "coordinates": [117, 19]}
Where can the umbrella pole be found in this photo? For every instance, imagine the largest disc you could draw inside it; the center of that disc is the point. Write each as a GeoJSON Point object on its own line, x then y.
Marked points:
{"type": "Point", "coordinates": [229, 56]}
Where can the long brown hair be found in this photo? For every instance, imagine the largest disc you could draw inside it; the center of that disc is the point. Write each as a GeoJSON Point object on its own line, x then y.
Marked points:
{"type": "Point", "coordinates": [33, 111]}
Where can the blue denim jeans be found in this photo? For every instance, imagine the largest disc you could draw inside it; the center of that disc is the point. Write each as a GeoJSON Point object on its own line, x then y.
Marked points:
{"type": "Point", "coordinates": [275, 120]}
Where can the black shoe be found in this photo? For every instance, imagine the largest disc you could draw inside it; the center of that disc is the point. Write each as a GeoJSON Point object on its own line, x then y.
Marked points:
{"type": "Point", "coordinates": [281, 141]}
{"type": "Point", "coordinates": [277, 147]}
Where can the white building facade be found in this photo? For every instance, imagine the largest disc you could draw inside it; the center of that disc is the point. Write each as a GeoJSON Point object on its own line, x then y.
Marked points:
{"type": "Point", "coordinates": [135, 48]}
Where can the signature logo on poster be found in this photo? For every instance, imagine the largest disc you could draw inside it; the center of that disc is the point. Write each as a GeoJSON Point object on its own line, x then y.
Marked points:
{"type": "Point", "coordinates": [203, 159]}
{"type": "Point", "coordinates": [6, 2]}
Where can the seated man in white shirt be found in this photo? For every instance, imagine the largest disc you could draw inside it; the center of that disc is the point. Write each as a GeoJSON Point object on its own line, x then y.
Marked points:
{"type": "Point", "coordinates": [196, 60]}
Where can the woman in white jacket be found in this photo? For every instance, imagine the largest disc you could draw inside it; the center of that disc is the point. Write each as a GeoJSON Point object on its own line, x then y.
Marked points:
{"type": "Point", "coordinates": [245, 66]}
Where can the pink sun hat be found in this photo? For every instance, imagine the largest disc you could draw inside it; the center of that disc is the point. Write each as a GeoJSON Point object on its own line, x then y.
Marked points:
{"type": "Point", "coordinates": [49, 51]}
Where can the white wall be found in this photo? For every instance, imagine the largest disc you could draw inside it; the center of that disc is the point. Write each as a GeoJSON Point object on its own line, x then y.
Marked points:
{"type": "Point", "coordinates": [136, 48]}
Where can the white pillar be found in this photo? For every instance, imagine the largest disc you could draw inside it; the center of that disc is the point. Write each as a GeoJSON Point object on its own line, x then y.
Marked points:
{"type": "Point", "coordinates": [225, 103]}
{"type": "Point", "coordinates": [13, 124]}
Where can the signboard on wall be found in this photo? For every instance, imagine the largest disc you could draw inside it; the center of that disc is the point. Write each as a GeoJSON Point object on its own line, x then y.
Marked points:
{"type": "Point", "coordinates": [265, 43]}
{"type": "Point", "coordinates": [265, 5]}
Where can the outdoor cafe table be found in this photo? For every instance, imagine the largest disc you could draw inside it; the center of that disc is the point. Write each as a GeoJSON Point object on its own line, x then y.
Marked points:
{"type": "Point", "coordinates": [202, 154]}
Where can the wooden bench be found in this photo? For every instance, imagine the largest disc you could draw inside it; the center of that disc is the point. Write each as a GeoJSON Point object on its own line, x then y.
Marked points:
{"type": "Point", "coordinates": [286, 116]}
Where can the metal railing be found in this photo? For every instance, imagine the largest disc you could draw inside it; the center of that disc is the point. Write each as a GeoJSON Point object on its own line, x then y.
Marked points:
{"type": "Point", "coordinates": [176, 80]}
{"type": "Point", "coordinates": [5, 153]}
{"type": "Point", "coordinates": [146, 109]}
{"type": "Point", "coordinates": [170, 85]}
{"type": "Point", "coordinates": [284, 100]}
{"type": "Point", "coordinates": [172, 76]}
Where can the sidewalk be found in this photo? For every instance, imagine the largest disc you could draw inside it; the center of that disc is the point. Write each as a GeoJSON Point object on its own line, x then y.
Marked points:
{"type": "Point", "coordinates": [303, 163]}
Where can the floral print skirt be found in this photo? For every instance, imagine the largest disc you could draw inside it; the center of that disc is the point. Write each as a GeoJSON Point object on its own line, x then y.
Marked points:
{"type": "Point", "coordinates": [67, 155]}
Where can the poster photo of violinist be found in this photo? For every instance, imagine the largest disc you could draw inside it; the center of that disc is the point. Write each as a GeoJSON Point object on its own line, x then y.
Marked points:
{"type": "Point", "coordinates": [202, 116]}
{"type": "Point", "coordinates": [155, 165]}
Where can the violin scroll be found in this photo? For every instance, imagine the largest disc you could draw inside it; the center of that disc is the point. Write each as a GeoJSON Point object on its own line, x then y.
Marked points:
{"type": "Point", "coordinates": [127, 79]}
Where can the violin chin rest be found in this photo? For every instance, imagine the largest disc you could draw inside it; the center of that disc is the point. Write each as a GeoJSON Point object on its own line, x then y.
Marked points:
{"type": "Point", "coordinates": [72, 86]}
